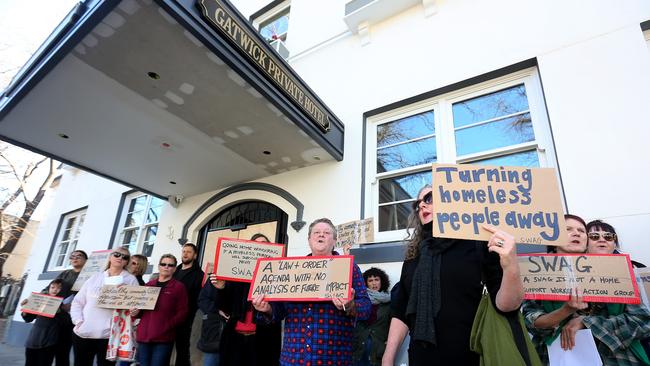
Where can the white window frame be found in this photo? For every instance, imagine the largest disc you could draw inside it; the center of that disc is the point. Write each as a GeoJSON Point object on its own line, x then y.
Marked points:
{"type": "Point", "coordinates": [257, 22]}
{"type": "Point", "coordinates": [445, 136]}
{"type": "Point", "coordinates": [646, 35]}
{"type": "Point", "coordinates": [79, 216]}
{"type": "Point", "coordinates": [142, 228]}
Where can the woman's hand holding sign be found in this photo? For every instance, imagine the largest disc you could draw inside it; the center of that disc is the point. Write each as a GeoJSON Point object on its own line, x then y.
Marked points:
{"type": "Point", "coordinates": [262, 306]}
{"type": "Point", "coordinates": [511, 292]}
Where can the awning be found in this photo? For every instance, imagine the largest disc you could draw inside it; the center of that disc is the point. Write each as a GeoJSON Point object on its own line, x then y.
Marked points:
{"type": "Point", "coordinates": [171, 97]}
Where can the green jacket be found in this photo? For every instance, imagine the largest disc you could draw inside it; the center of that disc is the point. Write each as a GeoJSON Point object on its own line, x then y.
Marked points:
{"type": "Point", "coordinates": [377, 332]}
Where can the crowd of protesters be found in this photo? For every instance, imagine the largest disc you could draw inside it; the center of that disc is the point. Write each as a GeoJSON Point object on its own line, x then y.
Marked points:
{"type": "Point", "coordinates": [434, 301]}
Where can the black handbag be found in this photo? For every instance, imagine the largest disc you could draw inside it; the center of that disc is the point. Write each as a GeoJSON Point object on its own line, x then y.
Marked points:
{"type": "Point", "coordinates": [211, 331]}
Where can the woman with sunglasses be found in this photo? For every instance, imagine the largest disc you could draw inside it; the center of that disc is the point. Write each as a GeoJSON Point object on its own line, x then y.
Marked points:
{"type": "Point", "coordinates": [92, 323]}
{"type": "Point", "coordinates": [545, 319]}
{"type": "Point", "coordinates": [618, 329]}
{"type": "Point", "coordinates": [440, 289]}
{"type": "Point", "coordinates": [157, 329]}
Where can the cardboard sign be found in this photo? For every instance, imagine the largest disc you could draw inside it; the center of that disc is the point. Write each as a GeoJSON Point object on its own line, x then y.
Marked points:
{"type": "Point", "coordinates": [643, 278]}
{"type": "Point", "coordinates": [524, 202]}
{"type": "Point", "coordinates": [96, 263]}
{"type": "Point", "coordinates": [128, 297]}
{"type": "Point", "coordinates": [235, 259]}
{"type": "Point", "coordinates": [355, 232]}
{"type": "Point", "coordinates": [600, 277]}
{"type": "Point", "coordinates": [42, 304]}
{"type": "Point", "coordinates": [303, 278]}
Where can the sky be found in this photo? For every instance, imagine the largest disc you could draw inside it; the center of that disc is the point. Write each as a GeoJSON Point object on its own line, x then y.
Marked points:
{"type": "Point", "coordinates": [24, 25]}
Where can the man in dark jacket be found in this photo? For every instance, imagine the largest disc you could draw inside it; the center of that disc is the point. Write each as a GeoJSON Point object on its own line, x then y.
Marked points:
{"type": "Point", "coordinates": [191, 275]}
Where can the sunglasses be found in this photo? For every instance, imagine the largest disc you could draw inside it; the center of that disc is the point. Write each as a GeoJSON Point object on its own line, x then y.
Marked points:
{"type": "Point", "coordinates": [72, 257]}
{"type": "Point", "coordinates": [168, 265]}
{"type": "Point", "coordinates": [121, 255]}
{"type": "Point", "coordinates": [428, 199]}
{"type": "Point", "coordinates": [606, 235]}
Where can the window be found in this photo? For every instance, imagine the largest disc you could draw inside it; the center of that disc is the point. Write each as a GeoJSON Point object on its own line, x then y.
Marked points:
{"type": "Point", "coordinates": [273, 24]}
{"type": "Point", "coordinates": [646, 35]}
{"type": "Point", "coordinates": [139, 223]}
{"type": "Point", "coordinates": [67, 237]}
{"type": "Point", "coordinates": [500, 122]}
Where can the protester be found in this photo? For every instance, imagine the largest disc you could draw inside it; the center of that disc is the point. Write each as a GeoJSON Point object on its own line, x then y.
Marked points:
{"type": "Point", "coordinates": [191, 275]}
{"type": "Point", "coordinates": [212, 325]}
{"type": "Point", "coordinates": [318, 332]}
{"type": "Point", "coordinates": [371, 335]}
{"type": "Point", "coordinates": [138, 267]}
{"type": "Point", "coordinates": [41, 343]}
{"type": "Point", "coordinates": [545, 319]}
{"type": "Point", "coordinates": [440, 289]}
{"type": "Point", "coordinates": [617, 328]}
{"type": "Point", "coordinates": [78, 259]}
{"type": "Point", "coordinates": [158, 327]}
{"type": "Point", "coordinates": [245, 342]}
{"type": "Point", "coordinates": [92, 324]}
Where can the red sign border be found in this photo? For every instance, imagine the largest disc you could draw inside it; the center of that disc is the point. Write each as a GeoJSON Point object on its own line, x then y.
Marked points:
{"type": "Point", "coordinates": [588, 298]}
{"type": "Point", "coordinates": [216, 257]}
{"type": "Point", "coordinates": [305, 299]}
{"type": "Point", "coordinates": [38, 312]}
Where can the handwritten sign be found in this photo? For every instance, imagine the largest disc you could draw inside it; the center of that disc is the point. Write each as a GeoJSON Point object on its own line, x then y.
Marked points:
{"type": "Point", "coordinates": [643, 278]}
{"type": "Point", "coordinates": [42, 304]}
{"type": "Point", "coordinates": [355, 232]}
{"type": "Point", "coordinates": [303, 278]}
{"type": "Point", "coordinates": [522, 201]}
{"type": "Point", "coordinates": [128, 297]}
{"type": "Point", "coordinates": [236, 258]}
{"type": "Point", "coordinates": [96, 263]}
{"type": "Point", "coordinates": [600, 277]}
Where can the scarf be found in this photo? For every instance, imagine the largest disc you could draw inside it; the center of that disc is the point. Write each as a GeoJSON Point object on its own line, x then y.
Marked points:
{"type": "Point", "coordinates": [424, 300]}
{"type": "Point", "coordinates": [377, 297]}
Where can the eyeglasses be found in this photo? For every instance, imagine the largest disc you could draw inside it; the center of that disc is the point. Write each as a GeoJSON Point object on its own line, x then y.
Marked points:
{"type": "Point", "coordinates": [168, 265]}
{"type": "Point", "coordinates": [606, 235]}
{"type": "Point", "coordinates": [72, 257]}
{"type": "Point", "coordinates": [126, 257]}
{"type": "Point", "coordinates": [428, 199]}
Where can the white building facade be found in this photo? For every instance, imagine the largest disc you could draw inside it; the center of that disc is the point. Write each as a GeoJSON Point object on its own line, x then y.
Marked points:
{"type": "Point", "coordinates": [561, 84]}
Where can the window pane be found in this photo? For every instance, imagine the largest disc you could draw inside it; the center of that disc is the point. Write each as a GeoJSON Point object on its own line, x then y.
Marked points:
{"type": "Point", "coordinates": [130, 237]}
{"type": "Point", "coordinates": [147, 249]}
{"type": "Point", "coordinates": [405, 129]}
{"type": "Point", "coordinates": [82, 218]}
{"type": "Point", "coordinates": [276, 27]}
{"type": "Point", "coordinates": [403, 187]}
{"type": "Point", "coordinates": [490, 106]}
{"type": "Point", "coordinates": [501, 133]}
{"type": "Point", "coordinates": [406, 155]}
{"type": "Point", "coordinates": [394, 217]}
{"type": "Point", "coordinates": [138, 203]}
{"type": "Point", "coordinates": [154, 210]}
{"type": "Point", "coordinates": [150, 236]}
{"type": "Point", "coordinates": [134, 219]}
{"type": "Point", "coordinates": [526, 158]}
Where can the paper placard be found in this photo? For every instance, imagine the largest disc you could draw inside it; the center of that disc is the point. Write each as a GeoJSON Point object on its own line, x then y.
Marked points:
{"type": "Point", "coordinates": [235, 259]}
{"type": "Point", "coordinates": [128, 297]}
{"type": "Point", "coordinates": [643, 276]}
{"type": "Point", "coordinates": [601, 277]}
{"type": "Point", "coordinates": [355, 232]}
{"type": "Point", "coordinates": [96, 263]}
{"type": "Point", "coordinates": [303, 278]}
{"type": "Point", "coordinates": [524, 202]}
{"type": "Point", "coordinates": [42, 304]}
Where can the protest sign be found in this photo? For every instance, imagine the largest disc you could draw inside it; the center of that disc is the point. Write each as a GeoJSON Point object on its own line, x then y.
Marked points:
{"type": "Point", "coordinates": [235, 259]}
{"type": "Point", "coordinates": [128, 297]}
{"type": "Point", "coordinates": [303, 278]}
{"type": "Point", "coordinates": [96, 263]}
{"type": "Point", "coordinates": [524, 202]}
{"type": "Point", "coordinates": [599, 277]}
{"type": "Point", "coordinates": [643, 278]}
{"type": "Point", "coordinates": [42, 304]}
{"type": "Point", "coordinates": [354, 232]}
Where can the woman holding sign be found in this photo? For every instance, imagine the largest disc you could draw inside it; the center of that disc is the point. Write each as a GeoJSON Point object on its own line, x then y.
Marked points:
{"type": "Point", "coordinates": [157, 328]}
{"type": "Point", "coordinates": [92, 323]}
{"type": "Point", "coordinates": [440, 289]}
{"type": "Point", "coordinates": [617, 328]}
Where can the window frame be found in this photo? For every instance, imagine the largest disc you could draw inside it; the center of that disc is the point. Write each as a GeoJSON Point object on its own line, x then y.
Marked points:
{"type": "Point", "coordinates": [271, 13]}
{"type": "Point", "coordinates": [120, 227]}
{"type": "Point", "coordinates": [58, 236]}
{"type": "Point", "coordinates": [441, 105]}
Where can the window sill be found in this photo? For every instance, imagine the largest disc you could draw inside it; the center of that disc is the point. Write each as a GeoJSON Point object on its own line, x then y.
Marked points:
{"type": "Point", "coordinates": [360, 14]}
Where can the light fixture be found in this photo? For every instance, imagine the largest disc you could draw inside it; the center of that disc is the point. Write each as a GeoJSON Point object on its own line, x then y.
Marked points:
{"type": "Point", "coordinates": [153, 75]}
